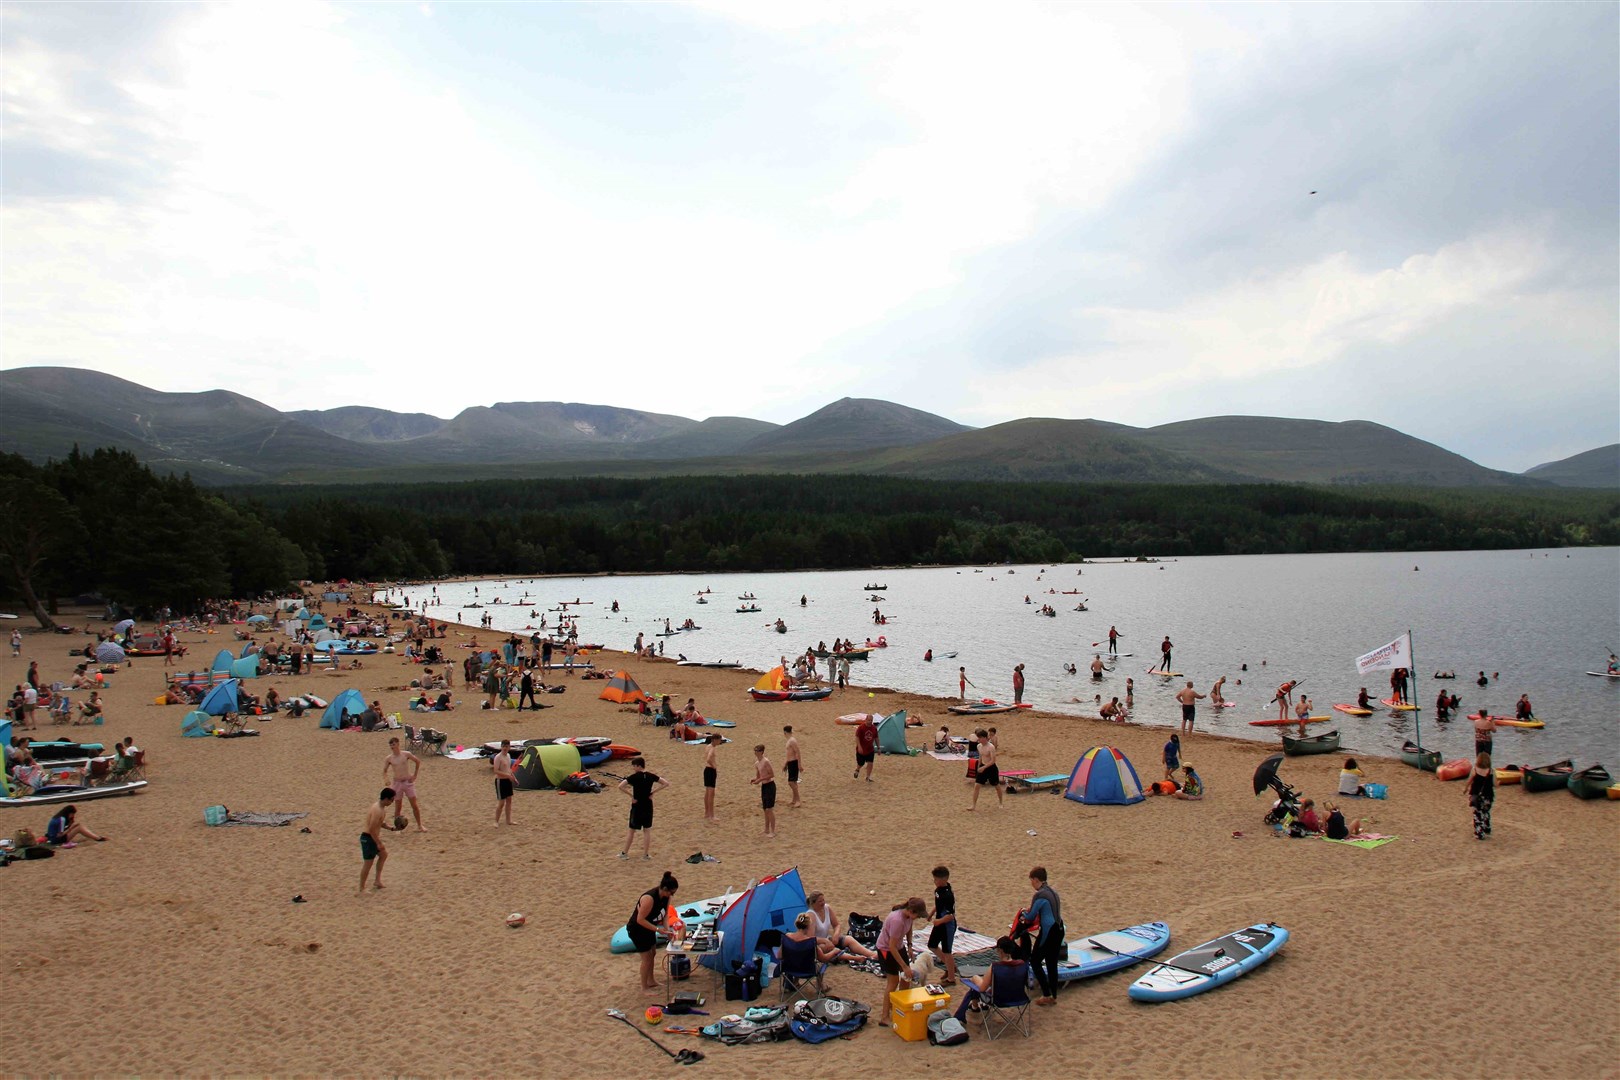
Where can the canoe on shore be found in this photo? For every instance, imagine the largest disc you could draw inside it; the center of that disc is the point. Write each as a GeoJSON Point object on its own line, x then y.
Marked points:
{"type": "Point", "coordinates": [1420, 758]}
{"type": "Point", "coordinates": [1326, 743]}
{"type": "Point", "coordinates": [1549, 777]}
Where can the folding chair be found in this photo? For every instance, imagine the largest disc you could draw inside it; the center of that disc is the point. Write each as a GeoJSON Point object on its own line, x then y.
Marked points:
{"type": "Point", "coordinates": [98, 771]}
{"type": "Point", "coordinates": [137, 768]}
{"type": "Point", "coordinates": [413, 740]}
{"type": "Point", "coordinates": [798, 973]}
{"type": "Point", "coordinates": [1007, 1004]}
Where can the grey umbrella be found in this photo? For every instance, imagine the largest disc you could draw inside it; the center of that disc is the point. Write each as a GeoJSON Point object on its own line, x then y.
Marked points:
{"type": "Point", "coordinates": [122, 625]}
{"type": "Point", "coordinates": [1266, 775]}
{"type": "Point", "coordinates": [109, 653]}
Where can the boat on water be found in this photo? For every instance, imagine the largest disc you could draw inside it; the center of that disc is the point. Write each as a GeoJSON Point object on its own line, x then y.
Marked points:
{"type": "Point", "coordinates": [852, 654]}
{"type": "Point", "coordinates": [874, 588]}
{"type": "Point", "coordinates": [747, 610]}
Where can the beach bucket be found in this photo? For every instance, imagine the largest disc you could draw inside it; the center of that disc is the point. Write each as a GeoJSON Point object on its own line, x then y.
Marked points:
{"type": "Point", "coordinates": [214, 815]}
{"type": "Point", "coordinates": [1375, 791]}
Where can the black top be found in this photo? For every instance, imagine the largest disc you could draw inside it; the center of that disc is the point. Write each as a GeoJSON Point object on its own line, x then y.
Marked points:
{"type": "Point", "coordinates": [641, 785]}
{"type": "Point", "coordinates": [944, 901]}
{"type": "Point", "coordinates": [660, 906]}
{"type": "Point", "coordinates": [1482, 785]}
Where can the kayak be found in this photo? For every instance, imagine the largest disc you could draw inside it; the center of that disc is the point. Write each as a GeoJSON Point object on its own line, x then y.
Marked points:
{"type": "Point", "coordinates": [1510, 774]}
{"type": "Point", "coordinates": [789, 695]}
{"type": "Point", "coordinates": [1454, 770]}
{"type": "Point", "coordinates": [1592, 783]}
{"type": "Point", "coordinates": [984, 707]}
{"type": "Point", "coordinates": [1290, 722]}
{"type": "Point", "coordinates": [1400, 706]}
{"type": "Point", "coordinates": [1317, 744]}
{"type": "Point", "coordinates": [1353, 710]}
{"type": "Point", "coordinates": [1420, 758]}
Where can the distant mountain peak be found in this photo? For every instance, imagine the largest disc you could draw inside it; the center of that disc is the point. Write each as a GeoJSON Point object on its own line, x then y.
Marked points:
{"type": "Point", "coordinates": [855, 424]}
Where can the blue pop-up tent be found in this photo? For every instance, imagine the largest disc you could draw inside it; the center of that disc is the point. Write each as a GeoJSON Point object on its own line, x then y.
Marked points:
{"type": "Point", "coordinates": [1104, 775]}
{"type": "Point", "coordinates": [197, 724]}
{"type": "Point", "coordinates": [892, 734]}
{"type": "Point", "coordinates": [247, 667]}
{"type": "Point", "coordinates": [771, 904]}
{"type": "Point", "coordinates": [350, 701]}
{"type": "Point", "coordinates": [221, 699]}
{"type": "Point", "coordinates": [222, 661]}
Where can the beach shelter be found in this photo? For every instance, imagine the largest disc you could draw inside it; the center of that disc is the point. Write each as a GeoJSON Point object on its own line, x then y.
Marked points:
{"type": "Point", "coordinates": [258, 620]}
{"type": "Point", "coordinates": [771, 904]}
{"type": "Point", "coordinates": [246, 668]}
{"type": "Point", "coordinates": [304, 614]}
{"type": "Point", "coordinates": [222, 661]}
{"type": "Point", "coordinates": [545, 765]}
{"type": "Point", "coordinates": [1104, 775]}
{"type": "Point", "coordinates": [350, 701]}
{"type": "Point", "coordinates": [317, 622]}
{"type": "Point", "coordinates": [221, 699]}
{"type": "Point", "coordinates": [5, 739]}
{"type": "Point", "coordinates": [892, 734]}
{"type": "Point", "coordinates": [110, 653]}
{"type": "Point", "coordinates": [774, 679]}
{"type": "Point", "coordinates": [623, 689]}
{"type": "Point", "coordinates": [197, 724]}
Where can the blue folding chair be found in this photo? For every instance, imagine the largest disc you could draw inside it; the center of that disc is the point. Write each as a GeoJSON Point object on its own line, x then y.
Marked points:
{"type": "Point", "coordinates": [1007, 1004]}
{"type": "Point", "coordinates": [798, 973]}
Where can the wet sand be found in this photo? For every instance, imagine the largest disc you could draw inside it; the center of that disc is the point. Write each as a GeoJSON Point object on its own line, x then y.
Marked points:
{"type": "Point", "coordinates": [175, 948]}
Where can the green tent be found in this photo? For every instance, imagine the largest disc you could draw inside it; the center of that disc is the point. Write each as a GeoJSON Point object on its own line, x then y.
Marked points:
{"type": "Point", "coordinates": [546, 764]}
{"type": "Point", "coordinates": [892, 735]}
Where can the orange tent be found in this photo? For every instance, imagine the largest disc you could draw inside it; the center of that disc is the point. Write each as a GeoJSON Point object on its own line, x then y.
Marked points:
{"type": "Point", "coordinates": [774, 679]}
{"type": "Point", "coordinates": [623, 689]}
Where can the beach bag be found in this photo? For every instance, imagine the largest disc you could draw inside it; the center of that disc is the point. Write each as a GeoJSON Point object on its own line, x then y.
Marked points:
{"type": "Point", "coordinates": [946, 1030]}
{"type": "Point", "coordinates": [580, 783]}
{"type": "Point", "coordinates": [827, 1018]}
{"type": "Point", "coordinates": [1375, 791]}
{"type": "Point", "coordinates": [215, 815]}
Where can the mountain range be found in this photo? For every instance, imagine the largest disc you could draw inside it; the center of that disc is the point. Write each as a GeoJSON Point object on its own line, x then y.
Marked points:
{"type": "Point", "coordinates": [222, 437]}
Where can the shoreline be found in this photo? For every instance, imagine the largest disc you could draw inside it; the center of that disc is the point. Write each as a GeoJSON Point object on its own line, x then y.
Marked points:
{"type": "Point", "coordinates": [208, 909]}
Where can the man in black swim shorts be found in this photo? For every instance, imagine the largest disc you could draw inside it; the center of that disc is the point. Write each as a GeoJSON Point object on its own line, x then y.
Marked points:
{"type": "Point", "coordinates": [505, 782]}
{"type": "Point", "coordinates": [372, 849]}
{"type": "Point", "coordinates": [765, 777]}
{"type": "Point", "coordinates": [988, 773]}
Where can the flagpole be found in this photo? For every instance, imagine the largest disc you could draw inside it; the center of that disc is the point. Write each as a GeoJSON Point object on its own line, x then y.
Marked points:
{"type": "Point", "coordinates": [1417, 713]}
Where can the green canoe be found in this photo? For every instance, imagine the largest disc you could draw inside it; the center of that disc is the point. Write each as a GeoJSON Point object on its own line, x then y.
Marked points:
{"type": "Point", "coordinates": [1549, 777]}
{"type": "Point", "coordinates": [1591, 783]}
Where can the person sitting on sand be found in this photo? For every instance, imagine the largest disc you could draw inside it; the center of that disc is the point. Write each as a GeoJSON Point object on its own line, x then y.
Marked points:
{"type": "Point", "coordinates": [1336, 829]}
{"type": "Point", "coordinates": [831, 944]}
{"type": "Point", "coordinates": [1192, 787]}
{"type": "Point", "coordinates": [942, 739]}
{"type": "Point", "coordinates": [1351, 778]}
{"type": "Point", "coordinates": [65, 830]}
{"type": "Point", "coordinates": [442, 702]}
{"type": "Point", "coordinates": [1309, 819]}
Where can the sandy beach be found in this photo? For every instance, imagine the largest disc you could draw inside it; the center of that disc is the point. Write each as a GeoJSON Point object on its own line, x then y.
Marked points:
{"type": "Point", "coordinates": [176, 949]}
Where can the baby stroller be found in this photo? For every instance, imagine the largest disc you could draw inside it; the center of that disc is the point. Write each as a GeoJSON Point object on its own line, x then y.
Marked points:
{"type": "Point", "coordinates": [1286, 807]}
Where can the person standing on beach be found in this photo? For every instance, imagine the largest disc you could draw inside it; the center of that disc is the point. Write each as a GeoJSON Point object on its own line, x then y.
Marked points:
{"type": "Point", "coordinates": [1018, 684]}
{"type": "Point", "coordinates": [640, 785]}
{"type": "Point", "coordinates": [963, 682]}
{"type": "Point", "coordinates": [505, 782]}
{"type": "Point", "coordinates": [526, 690]}
{"type": "Point", "coordinates": [843, 672]}
{"type": "Point", "coordinates": [404, 765]}
{"type": "Point", "coordinates": [987, 775]}
{"type": "Point", "coordinates": [1045, 917]}
{"type": "Point", "coordinates": [942, 938]}
{"type": "Point", "coordinates": [866, 737]}
{"type": "Point", "coordinates": [765, 777]}
{"type": "Point", "coordinates": [16, 643]}
{"type": "Point", "coordinates": [1164, 649]}
{"type": "Point", "coordinates": [647, 920]}
{"type": "Point", "coordinates": [1113, 641]}
{"type": "Point", "coordinates": [1189, 699]}
{"type": "Point", "coordinates": [711, 774]}
{"type": "Point", "coordinates": [793, 764]}
{"type": "Point", "coordinates": [1172, 757]}
{"type": "Point", "coordinates": [1484, 731]}
{"type": "Point", "coordinates": [372, 849]}
{"type": "Point", "coordinates": [1481, 793]}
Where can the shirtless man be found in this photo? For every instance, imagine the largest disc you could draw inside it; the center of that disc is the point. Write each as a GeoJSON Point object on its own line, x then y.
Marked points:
{"type": "Point", "coordinates": [404, 765]}
{"type": "Point", "coordinates": [505, 782]}
{"type": "Point", "coordinates": [371, 846]}
{"type": "Point", "coordinates": [711, 775]}
{"type": "Point", "coordinates": [988, 775]}
{"type": "Point", "coordinates": [794, 764]}
{"type": "Point", "coordinates": [962, 682]}
{"type": "Point", "coordinates": [1113, 711]}
{"type": "Point", "coordinates": [1189, 699]}
{"type": "Point", "coordinates": [1215, 697]}
{"type": "Point", "coordinates": [1302, 712]}
{"type": "Point", "coordinates": [1097, 668]}
{"type": "Point", "coordinates": [765, 777]}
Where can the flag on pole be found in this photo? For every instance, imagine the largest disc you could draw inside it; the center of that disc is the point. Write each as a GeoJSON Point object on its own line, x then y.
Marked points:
{"type": "Point", "coordinates": [1397, 653]}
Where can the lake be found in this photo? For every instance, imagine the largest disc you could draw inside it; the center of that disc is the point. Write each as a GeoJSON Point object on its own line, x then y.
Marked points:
{"type": "Point", "coordinates": [1533, 621]}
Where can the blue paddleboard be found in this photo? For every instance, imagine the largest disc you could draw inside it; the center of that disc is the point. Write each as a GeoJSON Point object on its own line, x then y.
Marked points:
{"type": "Point", "coordinates": [1211, 964]}
{"type": "Point", "coordinates": [1098, 954]}
{"type": "Point", "coordinates": [701, 913]}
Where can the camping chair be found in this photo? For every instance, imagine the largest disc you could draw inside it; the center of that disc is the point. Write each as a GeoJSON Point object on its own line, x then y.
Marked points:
{"type": "Point", "coordinates": [97, 771]}
{"type": "Point", "coordinates": [137, 767]}
{"type": "Point", "coordinates": [1007, 1003]}
{"type": "Point", "coordinates": [798, 973]}
{"type": "Point", "coordinates": [233, 722]}
{"type": "Point", "coordinates": [61, 708]}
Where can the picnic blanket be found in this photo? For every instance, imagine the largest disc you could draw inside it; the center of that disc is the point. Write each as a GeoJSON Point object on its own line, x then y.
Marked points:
{"type": "Point", "coordinates": [250, 817]}
{"type": "Point", "coordinates": [1365, 840]}
{"type": "Point", "coordinates": [467, 753]}
{"type": "Point", "coordinates": [947, 757]}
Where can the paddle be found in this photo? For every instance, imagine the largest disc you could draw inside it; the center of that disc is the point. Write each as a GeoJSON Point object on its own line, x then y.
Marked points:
{"type": "Point", "coordinates": [685, 1057]}
{"type": "Point", "coordinates": [1160, 963]}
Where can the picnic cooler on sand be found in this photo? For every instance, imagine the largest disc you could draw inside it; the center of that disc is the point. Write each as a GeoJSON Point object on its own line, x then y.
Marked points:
{"type": "Point", "coordinates": [912, 1008]}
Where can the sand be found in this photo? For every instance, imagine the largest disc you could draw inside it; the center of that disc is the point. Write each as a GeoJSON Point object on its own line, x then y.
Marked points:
{"type": "Point", "coordinates": [175, 948]}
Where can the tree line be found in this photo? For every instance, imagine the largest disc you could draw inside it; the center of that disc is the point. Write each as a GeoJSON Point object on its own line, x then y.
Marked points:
{"type": "Point", "coordinates": [104, 522]}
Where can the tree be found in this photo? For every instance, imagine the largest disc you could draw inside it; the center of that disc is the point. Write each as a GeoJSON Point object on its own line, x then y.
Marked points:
{"type": "Point", "coordinates": [35, 523]}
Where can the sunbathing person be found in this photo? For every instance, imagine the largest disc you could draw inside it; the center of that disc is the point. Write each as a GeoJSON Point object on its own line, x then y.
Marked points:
{"type": "Point", "coordinates": [830, 943]}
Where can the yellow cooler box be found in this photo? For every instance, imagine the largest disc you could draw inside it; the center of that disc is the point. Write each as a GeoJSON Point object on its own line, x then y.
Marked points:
{"type": "Point", "coordinates": [912, 1008]}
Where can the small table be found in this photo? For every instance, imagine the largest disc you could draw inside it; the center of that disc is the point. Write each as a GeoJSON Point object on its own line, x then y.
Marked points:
{"type": "Point", "coordinates": [683, 947]}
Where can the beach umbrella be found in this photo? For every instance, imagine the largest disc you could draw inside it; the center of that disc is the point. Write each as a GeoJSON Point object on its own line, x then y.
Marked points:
{"type": "Point", "coordinates": [623, 689]}
{"type": "Point", "coordinates": [1266, 775]}
{"type": "Point", "coordinates": [122, 625]}
{"type": "Point", "coordinates": [255, 620]}
{"type": "Point", "coordinates": [110, 653]}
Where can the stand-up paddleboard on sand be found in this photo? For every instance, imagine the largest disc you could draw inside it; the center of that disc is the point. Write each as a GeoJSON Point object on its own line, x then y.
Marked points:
{"type": "Point", "coordinates": [1098, 954]}
{"type": "Point", "coordinates": [1214, 963]}
{"type": "Point", "coordinates": [701, 913]}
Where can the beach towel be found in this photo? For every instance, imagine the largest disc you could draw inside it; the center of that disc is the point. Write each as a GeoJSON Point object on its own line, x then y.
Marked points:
{"type": "Point", "coordinates": [467, 753]}
{"type": "Point", "coordinates": [250, 817]}
{"type": "Point", "coordinates": [947, 757]}
{"type": "Point", "coordinates": [1365, 840]}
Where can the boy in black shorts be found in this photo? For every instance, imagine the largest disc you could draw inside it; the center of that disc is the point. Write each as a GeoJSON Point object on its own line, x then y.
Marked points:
{"type": "Point", "coordinates": [942, 937]}
{"type": "Point", "coordinates": [640, 786]}
{"type": "Point", "coordinates": [765, 777]}
{"type": "Point", "coordinates": [372, 849]}
{"type": "Point", "coordinates": [711, 775]}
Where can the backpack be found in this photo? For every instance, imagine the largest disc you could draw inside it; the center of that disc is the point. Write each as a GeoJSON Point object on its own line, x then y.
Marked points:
{"type": "Point", "coordinates": [946, 1030]}
{"type": "Point", "coordinates": [580, 783]}
{"type": "Point", "coordinates": [826, 1018]}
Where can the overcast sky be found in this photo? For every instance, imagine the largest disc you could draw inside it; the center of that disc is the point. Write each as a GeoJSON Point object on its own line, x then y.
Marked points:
{"type": "Point", "coordinates": [986, 211]}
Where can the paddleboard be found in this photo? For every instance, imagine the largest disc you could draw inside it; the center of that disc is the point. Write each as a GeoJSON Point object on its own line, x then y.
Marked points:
{"type": "Point", "coordinates": [703, 742]}
{"type": "Point", "coordinates": [719, 723]}
{"type": "Point", "coordinates": [1508, 721]}
{"type": "Point", "coordinates": [1098, 954]}
{"type": "Point", "coordinates": [1399, 707]}
{"type": "Point", "coordinates": [701, 913]}
{"type": "Point", "coordinates": [1290, 722]}
{"type": "Point", "coordinates": [1605, 674]}
{"type": "Point", "coordinates": [1353, 710]}
{"type": "Point", "coordinates": [1214, 963]}
{"type": "Point", "coordinates": [1165, 674]}
{"type": "Point", "coordinates": [1223, 704]}
{"type": "Point", "coordinates": [971, 710]}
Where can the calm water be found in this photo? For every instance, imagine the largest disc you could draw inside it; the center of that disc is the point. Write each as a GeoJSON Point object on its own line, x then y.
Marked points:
{"type": "Point", "coordinates": [1539, 619]}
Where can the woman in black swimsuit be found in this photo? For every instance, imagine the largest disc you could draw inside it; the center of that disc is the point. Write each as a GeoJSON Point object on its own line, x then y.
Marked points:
{"type": "Point", "coordinates": [645, 919]}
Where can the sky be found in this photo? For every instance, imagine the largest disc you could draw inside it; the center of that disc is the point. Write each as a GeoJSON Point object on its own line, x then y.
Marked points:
{"type": "Point", "coordinates": [1401, 213]}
